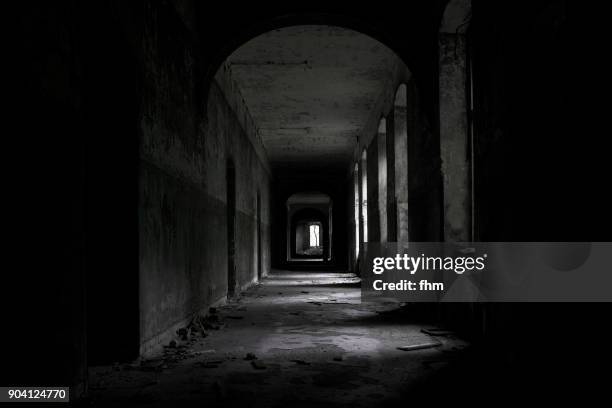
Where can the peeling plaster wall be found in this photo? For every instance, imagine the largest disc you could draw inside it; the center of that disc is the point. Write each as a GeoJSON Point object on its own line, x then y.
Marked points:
{"type": "Point", "coordinates": [182, 201]}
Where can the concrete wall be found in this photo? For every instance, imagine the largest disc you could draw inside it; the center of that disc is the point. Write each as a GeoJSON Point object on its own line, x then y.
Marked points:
{"type": "Point", "coordinates": [425, 212]}
{"type": "Point", "coordinates": [372, 198]}
{"type": "Point", "coordinates": [454, 143]}
{"type": "Point", "coordinates": [182, 212]}
{"type": "Point", "coordinates": [300, 237]}
{"type": "Point", "coordinates": [76, 199]}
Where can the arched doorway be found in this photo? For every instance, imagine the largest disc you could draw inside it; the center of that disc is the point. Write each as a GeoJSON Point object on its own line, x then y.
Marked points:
{"type": "Point", "coordinates": [309, 227]}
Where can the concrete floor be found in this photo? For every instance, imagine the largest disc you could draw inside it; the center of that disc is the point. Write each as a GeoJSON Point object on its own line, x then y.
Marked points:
{"type": "Point", "coordinates": [315, 343]}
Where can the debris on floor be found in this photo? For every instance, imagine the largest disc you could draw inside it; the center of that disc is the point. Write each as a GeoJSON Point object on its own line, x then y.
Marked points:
{"type": "Point", "coordinates": [339, 356]}
{"type": "Point", "coordinates": [183, 333]}
{"type": "Point", "coordinates": [201, 324]}
{"type": "Point", "coordinates": [420, 346]}
{"type": "Point", "coordinates": [432, 331]}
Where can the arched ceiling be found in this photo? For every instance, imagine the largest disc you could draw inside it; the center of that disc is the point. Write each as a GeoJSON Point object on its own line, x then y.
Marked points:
{"type": "Point", "coordinates": [311, 89]}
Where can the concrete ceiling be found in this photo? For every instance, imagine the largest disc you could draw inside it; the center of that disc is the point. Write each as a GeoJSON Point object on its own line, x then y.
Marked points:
{"type": "Point", "coordinates": [309, 198]}
{"type": "Point", "coordinates": [311, 89]}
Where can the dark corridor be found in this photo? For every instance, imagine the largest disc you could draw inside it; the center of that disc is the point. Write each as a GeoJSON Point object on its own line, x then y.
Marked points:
{"type": "Point", "coordinates": [200, 187]}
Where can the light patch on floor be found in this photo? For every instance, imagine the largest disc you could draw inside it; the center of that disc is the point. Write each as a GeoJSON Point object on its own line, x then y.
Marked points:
{"type": "Point", "coordinates": [298, 338]}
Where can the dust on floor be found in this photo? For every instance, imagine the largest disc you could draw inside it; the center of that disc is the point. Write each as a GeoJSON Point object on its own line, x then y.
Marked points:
{"type": "Point", "coordinates": [296, 339]}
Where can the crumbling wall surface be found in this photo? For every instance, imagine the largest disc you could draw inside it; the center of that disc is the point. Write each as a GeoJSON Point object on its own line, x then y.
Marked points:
{"type": "Point", "coordinates": [189, 132]}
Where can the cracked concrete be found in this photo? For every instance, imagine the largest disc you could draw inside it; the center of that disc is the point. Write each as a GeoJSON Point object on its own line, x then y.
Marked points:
{"type": "Point", "coordinates": [313, 341]}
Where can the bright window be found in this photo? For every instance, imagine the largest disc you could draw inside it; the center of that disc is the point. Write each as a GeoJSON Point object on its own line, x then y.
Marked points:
{"type": "Point", "coordinates": [313, 232]}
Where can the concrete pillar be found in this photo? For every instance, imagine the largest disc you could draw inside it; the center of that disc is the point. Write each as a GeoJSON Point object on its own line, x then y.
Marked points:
{"type": "Point", "coordinates": [401, 164]}
{"type": "Point", "coordinates": [391, 208]}
{"type": "Point", "coordinates": [330, 229]}
{"type": "Point", "coordinates": [363, 167]}
{"type": "Point", "coordinates": [373, 210]}
{"type": "Point", "coordinates": [454, 137]}
{"type": "Point", "coordinates": [299, 238]}
{"type": "Point", "coordinates": [381, 140]}
{"type": "Point", "coordinates": [357, 209]}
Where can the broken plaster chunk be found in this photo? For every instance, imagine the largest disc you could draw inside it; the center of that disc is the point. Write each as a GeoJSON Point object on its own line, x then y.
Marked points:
{"type": "Point", "coordinates": [436, 332]}
{"type": "Point", "coordinates": [183, 333]}
{"type": "Point", "coordinates": [250, 356]}
{"type": "Point", "coordinates": [419, 346]}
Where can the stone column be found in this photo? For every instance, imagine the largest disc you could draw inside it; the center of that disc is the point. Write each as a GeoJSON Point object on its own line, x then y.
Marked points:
{"type": "Point", "coordinates": [454, 137]}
